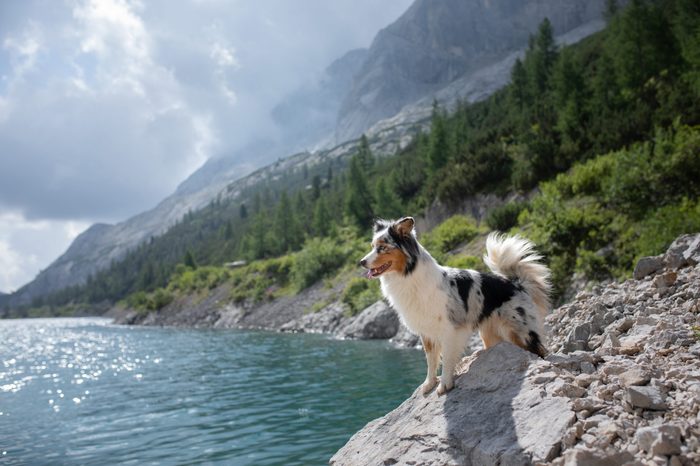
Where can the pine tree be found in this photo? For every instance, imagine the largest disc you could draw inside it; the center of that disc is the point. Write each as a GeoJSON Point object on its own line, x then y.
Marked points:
{"type": "Point", "coordinates": [358, 203]}
{"type": "Point", "coordinates": [315, 187]}
{"type": "Point", "coordinates": [189, 260]}
{"type": "Point", "coordinates": [285, 226]}
{"type": "Point", "coordinates": [518, 90]}
{"type": "Point", "coordinates": [640, 44]}
{"type": "Point", "coordinates": [365, 155]}
{"type": "Point", "coordinates": [228, 230]}
{"type": "Point", "coordinates": [687, 31]}
{"type": "Point", "coordinates": [543, 57]}
{"type": "Point", "coordinates": [611, 9]}
{"type": "Point", "coordinates": [570, 95]}
{"type": "Point", "coordinates": [438, 146]}
{"type": "Point", "coordinates": [243, 211]}
{"type": "Point", "coordinates": [322, 218]}
{"type": "Point", "coordinates": [388, 204]}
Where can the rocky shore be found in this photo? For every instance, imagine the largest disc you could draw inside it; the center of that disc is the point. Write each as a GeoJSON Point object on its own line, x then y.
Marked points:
{"type": "Point", "coordinates": [285, 314]}
{"type": "Point", "coordinates": [621, 386]}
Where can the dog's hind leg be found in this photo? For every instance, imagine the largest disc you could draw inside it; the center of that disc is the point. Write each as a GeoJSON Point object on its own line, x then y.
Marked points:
{"type": "Point", "coordinates": [452, 349]}
{"type": "Point", "coordinates": [432, 356]}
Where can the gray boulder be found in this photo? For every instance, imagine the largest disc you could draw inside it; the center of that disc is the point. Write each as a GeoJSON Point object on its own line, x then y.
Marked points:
{"type": "Point", "coordinates": [327, 320]}
{"type": "Point", "coordinates": [660, 440]}
{"type": "Point", "coordinates": [647, 266]}
{"type": "Point", "coordinates": [379, 321]}
{"type": "Point", "coordinates": [404, 338]}
{"type": "Point", "coordinates": [685, 250]}
{"type": "Point", "coordinates": [496, 414]}
{"type": "Point", "coordinates": [646, 398]}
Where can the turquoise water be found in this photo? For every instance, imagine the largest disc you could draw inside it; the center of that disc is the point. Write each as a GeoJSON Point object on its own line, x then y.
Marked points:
{"type": "Point", "coordinates": [82, 391]}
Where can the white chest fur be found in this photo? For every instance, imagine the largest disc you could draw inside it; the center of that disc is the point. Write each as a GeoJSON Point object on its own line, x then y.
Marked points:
{"type": "Point", "coordinates": [420, 298]}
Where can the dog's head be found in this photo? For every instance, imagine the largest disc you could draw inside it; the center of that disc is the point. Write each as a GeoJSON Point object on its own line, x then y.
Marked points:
{"type": "Point", "coordinates": [394, 248]}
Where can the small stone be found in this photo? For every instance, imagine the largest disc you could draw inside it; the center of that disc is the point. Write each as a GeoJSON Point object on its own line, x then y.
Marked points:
{"type": "Point", "coordinates": [647, 266]}
{"type": "Point", "coordinates": [630, 346]}
{"type": "Point", "coordinates": [580, 332]}
{"type": "Point", "coordinates": [587, 457]}
{"type": "Point", "coordinates": [568, 390]}
{"type": "Point", "coordinates": [593, 421]}
{"type": "Point", "coordinates": [660, 440]}
{"type": "Point", "coordinates": [572, 346]}
{"type": "Point", "coordinates": [646, 398]}
{"type": "Point", "coordinates": [587, 367]}
{"type": "Point", "coordinates": [584, 380]}
{"type": "Point", "coordinates": [588, 404]}
{"type": "Point", "coordinates": [662, 282]}
{"type": "Point", "coordinates": [634, 377]}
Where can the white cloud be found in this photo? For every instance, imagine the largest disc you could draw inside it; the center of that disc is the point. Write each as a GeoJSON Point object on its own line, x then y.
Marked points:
{"type": "Point", "coordinates": [224, 56]}
{"type": "Point", "coordinates": [26, 245]}
{"type": "Point", "coordinates": [23, 49]}
{"type": "Point", "coordinates": [11, 271]}
{"type": "Point", "coordinates": [107, 105]}
{"type": "Point", "coordinates": [101, 130]}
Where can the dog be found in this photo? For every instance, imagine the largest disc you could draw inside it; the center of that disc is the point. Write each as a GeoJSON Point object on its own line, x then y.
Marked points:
{"type": "Point", "coordinates": [444, 305]}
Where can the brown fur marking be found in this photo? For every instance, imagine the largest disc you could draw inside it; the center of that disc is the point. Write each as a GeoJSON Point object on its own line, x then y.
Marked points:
{"type": "Point", "coordinates": [489, 333]}
{"type": "Point", "coordinates": [397, 258]}
{"type": "Point", "coordinates": [428, 344]}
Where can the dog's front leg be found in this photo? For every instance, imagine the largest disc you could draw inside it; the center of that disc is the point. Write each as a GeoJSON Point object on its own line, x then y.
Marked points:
{"type": "Point", "coordinates": [452, 349]}
{"type": "Point", "coordinates": [432, 356]}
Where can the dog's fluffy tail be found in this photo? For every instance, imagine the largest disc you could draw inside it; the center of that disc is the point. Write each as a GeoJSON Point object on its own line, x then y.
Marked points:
{"type": "Point", "coordinates": [515, 257]}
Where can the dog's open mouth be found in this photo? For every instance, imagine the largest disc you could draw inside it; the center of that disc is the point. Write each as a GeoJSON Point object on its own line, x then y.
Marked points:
{"type": "Point", "coordinates": [377, 271]}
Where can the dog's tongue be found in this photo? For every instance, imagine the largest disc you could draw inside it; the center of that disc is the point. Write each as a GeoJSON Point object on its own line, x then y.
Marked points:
{"type": "Point", "coordinates": [369, 274]}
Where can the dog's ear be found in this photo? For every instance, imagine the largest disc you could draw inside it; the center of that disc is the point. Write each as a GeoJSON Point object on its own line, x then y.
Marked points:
{"type": "Point", "coordinates": [404, 226]}
{"type": "Point", "coordinates": [380, 224]}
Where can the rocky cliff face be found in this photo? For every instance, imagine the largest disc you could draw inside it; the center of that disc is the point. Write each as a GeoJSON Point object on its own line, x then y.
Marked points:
{"type": "Point", "coordinates": [437, 42]}
{"type": "Point", "coordinates": [622, 386]}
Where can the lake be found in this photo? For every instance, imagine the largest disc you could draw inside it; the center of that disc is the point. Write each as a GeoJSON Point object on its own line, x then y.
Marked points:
{"type": "Point", "coordinates": [83, 391]}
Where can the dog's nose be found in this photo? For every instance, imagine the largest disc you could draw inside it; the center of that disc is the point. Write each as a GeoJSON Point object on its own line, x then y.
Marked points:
{"type": "Point", "coordinates": [363, 263]}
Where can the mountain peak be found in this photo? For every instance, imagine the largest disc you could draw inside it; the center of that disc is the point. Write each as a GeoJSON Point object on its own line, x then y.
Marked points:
{"type": "Point", "coordinates": [436, 42]}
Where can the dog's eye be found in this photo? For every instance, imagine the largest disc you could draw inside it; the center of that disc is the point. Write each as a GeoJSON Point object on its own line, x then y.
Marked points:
{"type": "Point", "coordinates": [381, 249]}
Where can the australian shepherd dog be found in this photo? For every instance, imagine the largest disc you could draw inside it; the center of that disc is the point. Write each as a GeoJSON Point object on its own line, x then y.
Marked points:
{"type": "Point", "coordinates": [444, 305]}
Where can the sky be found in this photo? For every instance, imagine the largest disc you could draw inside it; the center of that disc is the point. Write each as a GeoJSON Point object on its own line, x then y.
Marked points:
{"type": "Point", "coordinates": [107, 105]}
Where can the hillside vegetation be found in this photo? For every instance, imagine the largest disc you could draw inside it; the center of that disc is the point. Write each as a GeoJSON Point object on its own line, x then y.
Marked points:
{"type": "Point", "coordinates": [605, 129]}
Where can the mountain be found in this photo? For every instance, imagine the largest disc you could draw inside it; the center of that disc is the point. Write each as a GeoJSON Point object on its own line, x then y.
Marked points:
{"type": "Point", "coordinates": [436, 43]}
{"type": "Point", "coordinates": [308, 115]}
{"type": "Point", "coordinates": [447, 49]}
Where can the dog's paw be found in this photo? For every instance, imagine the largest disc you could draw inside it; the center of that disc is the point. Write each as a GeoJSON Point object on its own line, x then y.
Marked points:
{"type": "Point", "coordinates": [444, 388]}
{"type": "Point", "coordinates": [428, 385]}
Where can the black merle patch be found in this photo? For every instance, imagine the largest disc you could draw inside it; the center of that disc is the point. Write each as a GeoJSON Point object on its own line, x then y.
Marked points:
{"type": "Point", "coordinates": [520, 311]}
{"type": "Point", "coordinates": [462, 283]}
{"type": "Point", "coordinates": [497, 290]}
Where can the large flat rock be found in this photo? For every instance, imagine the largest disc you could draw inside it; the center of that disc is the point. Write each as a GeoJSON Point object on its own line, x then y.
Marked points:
{"type": "Point", "coordinates": [498, 413]}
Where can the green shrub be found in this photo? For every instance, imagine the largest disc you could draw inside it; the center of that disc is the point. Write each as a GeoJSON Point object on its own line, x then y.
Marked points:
{"type": "Point", "coordinates": [137, 300]}
{"type": "Point", "coordinates": [466, 262]}
{"type": "Point", "coordinates": [449, 234]}
{"type": "Point", "coordinates": [159, 299]}
{"type": "Point", "coordinates": [505, 217]}
{"type": "Point", "coordinates": [360, 293]}
{"type": "Point", "coordinates": [603, 215]}
{"type": "Point", "coordinates": [319, 258]}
